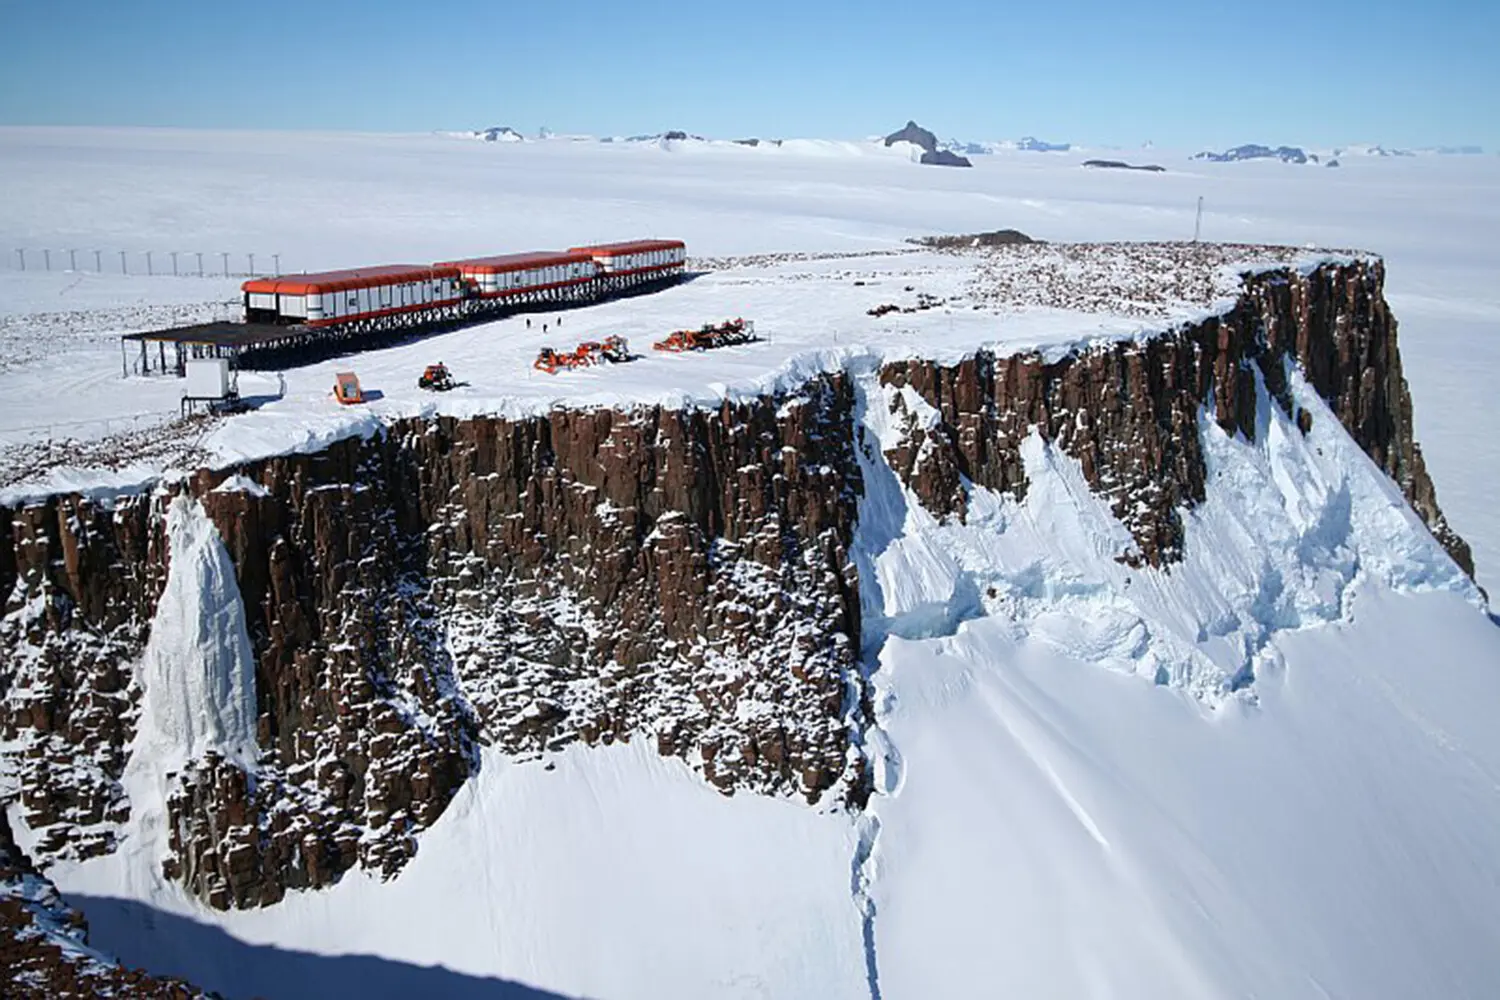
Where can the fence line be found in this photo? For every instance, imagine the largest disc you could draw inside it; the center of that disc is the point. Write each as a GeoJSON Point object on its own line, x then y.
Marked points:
{"type": "Point", "coordinates": [155, 263]}
{"type": "Point", "coordinates": [60, 431]}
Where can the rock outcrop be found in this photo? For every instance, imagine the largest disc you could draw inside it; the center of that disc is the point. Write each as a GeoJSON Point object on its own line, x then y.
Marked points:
{"type": "Point", "coordinates": [915, 134]}
{"type": "Point", "coordinates": [931, 154]}
{"type": "Point", "coordinates": [1153, 168]}
{"type": "Point", "coordinates": [1128, 411]}
{"type": "Point", "coordinates": [681, 576]}
{"type": "Point", "coordinates": [964, 241]}
{"type": "Point", "coordinates": [499, 133]}
{"type": "Point", "coordinates": [81, 580]}
{"type": "Point", "coordinates": [1254, 151]}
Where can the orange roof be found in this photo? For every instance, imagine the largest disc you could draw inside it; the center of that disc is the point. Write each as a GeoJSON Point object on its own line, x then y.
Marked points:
{"type": "Point", "coordinates": [518, 261]}
{"type": "Point", "coordinates": [339, 281]}
{"type": "Point", "coordinates": [629, 246]}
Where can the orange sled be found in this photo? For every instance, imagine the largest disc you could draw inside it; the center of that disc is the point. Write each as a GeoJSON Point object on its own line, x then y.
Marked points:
{"type": "Point", "coordinates": [346, 388]}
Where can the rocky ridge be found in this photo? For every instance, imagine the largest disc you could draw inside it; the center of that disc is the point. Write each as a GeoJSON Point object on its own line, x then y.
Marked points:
{"type": "Point", "coordinates": [682, 576]}
{"type": "Point", "coordinates": [1255, 151]}
{"type": "Point", "coordinates": [1128, 410]}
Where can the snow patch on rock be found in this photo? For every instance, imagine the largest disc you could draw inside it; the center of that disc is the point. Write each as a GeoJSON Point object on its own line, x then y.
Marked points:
{"type": "Point", "coordinates": [238, 483]}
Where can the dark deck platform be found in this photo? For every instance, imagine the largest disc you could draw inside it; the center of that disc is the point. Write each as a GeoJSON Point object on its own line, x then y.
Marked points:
{"type": "Point", "coordinates": [224, 339]}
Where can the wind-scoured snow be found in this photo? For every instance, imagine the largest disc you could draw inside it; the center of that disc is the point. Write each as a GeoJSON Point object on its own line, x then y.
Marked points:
{"type": "Point", "coordinates": [1225, 779]}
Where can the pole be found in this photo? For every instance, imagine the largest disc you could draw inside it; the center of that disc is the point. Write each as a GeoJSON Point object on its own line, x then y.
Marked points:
{"type": "Point", "coordinates": [124, 268]}
{"type": "Point", "coordinates": [226, 263]}
{"type": "Point", "coordinates": [99, 261]}
{"type": "Point", "coordinates": [47, 256]}
{"type": "Point", "coordinates": [21, 254]}
{"type": "Point", "coordinates": [276, 261]}
{"type": "Point", "coordinates": [1198, 223]}
{"type": "Point", "coordinates": [72, 260]}
{"type": "Point", "coordinates": [251, 258]}
{"type": "Point", "coordinates": [148, 262]}
{"type": "Point", "coordinates": [174, 263]}
{"type": "Point", "coordinates": [200, 262]}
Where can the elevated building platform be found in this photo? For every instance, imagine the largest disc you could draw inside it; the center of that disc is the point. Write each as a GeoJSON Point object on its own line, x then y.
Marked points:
{"type": "Point", "coordinates": [204, 340]}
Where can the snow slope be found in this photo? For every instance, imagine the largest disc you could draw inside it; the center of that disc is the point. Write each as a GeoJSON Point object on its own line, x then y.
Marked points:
{"type": "Point", "coordinates": [1063, 831]}
{"type": "Point", "coordinates": [601, 873]}
{"type": "Point", "coordinates": [1304, 803]}
{"type": "Point", "coordinates": [198, 673]}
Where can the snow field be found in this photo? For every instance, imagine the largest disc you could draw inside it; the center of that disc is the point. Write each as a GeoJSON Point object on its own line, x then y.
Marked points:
{"type": "Point", "coordinates": [1067, 831]}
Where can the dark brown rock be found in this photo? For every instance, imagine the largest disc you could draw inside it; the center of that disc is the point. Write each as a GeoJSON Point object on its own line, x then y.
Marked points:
{"type": "Point", "coordinates": [1128, 411]}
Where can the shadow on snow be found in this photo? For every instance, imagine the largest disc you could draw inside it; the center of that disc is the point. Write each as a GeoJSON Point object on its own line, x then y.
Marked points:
{"type": "Point", "coordinates": [172, 945]}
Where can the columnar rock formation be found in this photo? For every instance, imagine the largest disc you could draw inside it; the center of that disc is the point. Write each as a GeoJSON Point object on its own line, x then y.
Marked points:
{"type": "Point", "coordinates": [588, 576]}
{"type": "Point", "coordinates": [681, 576]}
{"type": "Point", "coordinates": [1128, 411]}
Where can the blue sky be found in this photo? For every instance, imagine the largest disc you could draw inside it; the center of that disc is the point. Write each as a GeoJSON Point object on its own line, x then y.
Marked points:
{"type": "Point", "coordinates": [1179, 74]}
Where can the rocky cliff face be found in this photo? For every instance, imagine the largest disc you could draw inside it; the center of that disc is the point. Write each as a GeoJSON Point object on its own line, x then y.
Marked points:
{"type": "Point", "coordinates": [682, 576]}
{"type": "Point", "coordinates": [81, 581]}
{"type": "Point", "coordinates": [1128, 411]}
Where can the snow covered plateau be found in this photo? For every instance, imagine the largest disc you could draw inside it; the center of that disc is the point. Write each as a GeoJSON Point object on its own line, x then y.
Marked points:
{"type": "Point", "coordinates": [837, 664]}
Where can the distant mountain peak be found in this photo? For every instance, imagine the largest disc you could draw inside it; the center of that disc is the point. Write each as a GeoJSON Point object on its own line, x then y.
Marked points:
{"type": "Point", "coordinates": [499, 133]}
{"type": "Point", "coordinates": [916, 135]}
{"type": "Point", "coordinates": [1254, 151]}
{"type": "Point", "coordinates": [1035, 145]}
{"type": "Point", "coordinates": [931, 154]}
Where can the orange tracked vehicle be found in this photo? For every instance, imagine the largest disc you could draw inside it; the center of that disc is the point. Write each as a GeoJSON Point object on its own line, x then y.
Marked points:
{"type": "Point", "coordinates": [590, 352]}
{"type": "Point", "coordinates": [709, 336]}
